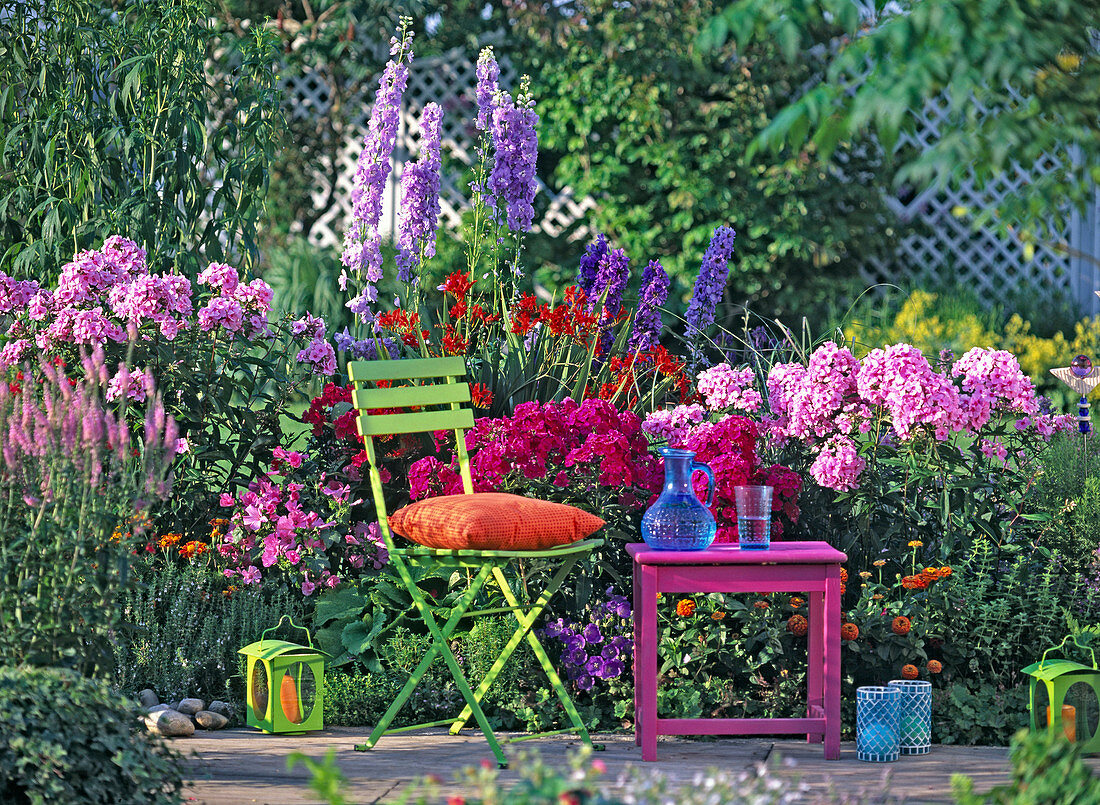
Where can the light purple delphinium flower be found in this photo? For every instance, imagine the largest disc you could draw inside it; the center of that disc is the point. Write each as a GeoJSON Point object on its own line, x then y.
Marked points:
{"type": "Point", "coordinates": [488, 85]}
{"type": "Point", "coordinates": [710, 282]}
{"type": "Point", "coordinates": [512, 182]}
{"type": "Point", "coordinates": [420, 198]}
{"type": "Point", "coordinates": [647, 320]}
{"type": "Point", "coordinates": [362, 242]}
{"type": "Point", "coordinates": [590, 264]}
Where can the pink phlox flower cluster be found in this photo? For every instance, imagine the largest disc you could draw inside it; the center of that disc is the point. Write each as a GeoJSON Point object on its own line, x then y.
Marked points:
{"type": "Point", "coordinates": [16, 294]}
{"type": "Point", "coordinates": [14, 352]}
{"type": "Point", "coordinates": [318, 353]}
{"type": "Point", "coordinates": [838, 464]}
{"type": "Point", "coordinates": [236, 303]}
{"type": "Point", "coordinates": [995, 384]}
{"type": "Point", "coordinates": [826, 401]}
{"type": "Point", "coordinates": [727, 389]}
{"type": "Point", "coordinates": [91, 273]}
{"type": "Point", "coordinates": [993, 448]}
{"type": "Point", "coordinates": [132, 385]}
{"type": "Point", "coordinates": [674, 424]}
{"type": "Point", "coordinates": [900, 379]}
{"type": "Point", "coordinates": [163, 300]}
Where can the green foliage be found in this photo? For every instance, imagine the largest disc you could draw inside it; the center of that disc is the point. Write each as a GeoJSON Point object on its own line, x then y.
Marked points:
{"type": "Point", "coordinates": [978, 712]}
{"type": "Point", "coordinates": [137, 117]}
{"type": "Point", "coordinates": [1046, 770]}
{"type": "Point", "coordinates": [656, 129]}
{"type": "Point", "coordinates": [326, 779]}
{"type": "Point", "coordinates": [1068, 492]}
{"type": "Point", "coordinates": [65, 738]}
{"type": "Point", "coordinates": [1016, 81]}
{"type": "Point", "coordinates": [181, 629]}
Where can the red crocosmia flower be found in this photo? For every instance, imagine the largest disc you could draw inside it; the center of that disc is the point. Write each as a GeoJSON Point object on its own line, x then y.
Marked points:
{"type": "Point", "coordinates": [457, 284]}
{"type": "Point", "coordinates": [481, 396]}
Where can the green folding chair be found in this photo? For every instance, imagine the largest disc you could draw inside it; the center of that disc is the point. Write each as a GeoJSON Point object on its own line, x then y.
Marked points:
{"type": "Point", "coordinates": [440, 407]}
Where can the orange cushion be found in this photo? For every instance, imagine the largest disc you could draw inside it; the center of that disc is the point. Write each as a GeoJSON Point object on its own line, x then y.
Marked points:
{"type": "Point", "coordinates": [489, 521]}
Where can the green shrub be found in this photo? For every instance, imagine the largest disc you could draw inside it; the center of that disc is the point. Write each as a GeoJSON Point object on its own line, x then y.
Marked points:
{"type": "Point", "coordinates": [66, 738]}
{"type": "Point", "coordinates": [181, 632]}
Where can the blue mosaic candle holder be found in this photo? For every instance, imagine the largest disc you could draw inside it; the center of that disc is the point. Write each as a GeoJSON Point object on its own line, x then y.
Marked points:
{"type": "Point", "coordinates": [915, 726]}
{"type": "Point", "coordinates": [878, 724]}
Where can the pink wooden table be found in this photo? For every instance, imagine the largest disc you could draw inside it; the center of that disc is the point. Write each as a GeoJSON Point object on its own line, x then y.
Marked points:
{"type": "Point", "coordinates": [786, 567]}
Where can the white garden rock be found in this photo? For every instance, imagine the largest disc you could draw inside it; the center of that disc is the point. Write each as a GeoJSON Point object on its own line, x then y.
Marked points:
{"type": "Point", "coordinates": [191, 706]}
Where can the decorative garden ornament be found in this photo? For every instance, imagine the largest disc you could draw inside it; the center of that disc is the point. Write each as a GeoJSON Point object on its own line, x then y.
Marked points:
{"type": "Point", "coordinates": [297, 672]}
{"type": "Point", "coordinates": [1082, 377]}
{"type": "Point", "coordinates": [1060, 688]}
{"type": "Point", "coordinates": [678, 520]}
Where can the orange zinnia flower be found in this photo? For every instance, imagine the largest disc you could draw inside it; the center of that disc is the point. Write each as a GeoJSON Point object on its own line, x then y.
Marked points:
{"type": "Point", "coordinates": [796, 602]}
{"type": "Point", "coordinates": [914, 583]}
{"type": "Point", "coordinates": [909, 672]}
{"type": "Point", "coordinates": [934, 666]}
{"type": "Point", "coordinates": [849, 631]}
{"type": "Point", "coordinates": [760, 604]}
{"type": "Point", "coordinates": [717, 616]}
{"type": "Point", "coordinates": [685, 608]}
{"type": "Point", "coordinates": [797, 625]}
{"type": "Point", "coordinates": [901, 625]}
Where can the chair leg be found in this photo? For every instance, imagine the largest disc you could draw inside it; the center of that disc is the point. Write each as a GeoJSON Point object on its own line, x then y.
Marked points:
{"type": "Point", "coordinates": [439, 647]}
{"type": "Point", "coordinates": [525, 621]}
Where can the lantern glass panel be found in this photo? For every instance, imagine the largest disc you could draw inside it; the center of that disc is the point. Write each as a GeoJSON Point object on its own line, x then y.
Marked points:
{"type": "Point", "coordinates": [1082, 698]}
{"type": "Point", "coordinates": [298, 692]}
{"type": "Point", "coordinates": [1041, 705]}
{"type": "Point", "coordinates": [261, 689]}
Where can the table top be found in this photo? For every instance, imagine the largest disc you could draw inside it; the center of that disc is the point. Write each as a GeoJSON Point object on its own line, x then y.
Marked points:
{"type": "Point", "coordinates": [779, 553]}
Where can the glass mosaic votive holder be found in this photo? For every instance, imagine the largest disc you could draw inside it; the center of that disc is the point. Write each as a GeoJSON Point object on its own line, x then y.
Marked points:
{"type": "Point", "coordinates": [878, 724]}
{"type": "Point", "coordinates": [915, 726]}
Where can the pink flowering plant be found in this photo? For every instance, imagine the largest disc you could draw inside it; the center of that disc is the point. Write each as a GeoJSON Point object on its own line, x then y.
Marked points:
{"type": "Point", "coordinates": [901, 449]}
{"type": "Point", "coordinates": [226, 366]}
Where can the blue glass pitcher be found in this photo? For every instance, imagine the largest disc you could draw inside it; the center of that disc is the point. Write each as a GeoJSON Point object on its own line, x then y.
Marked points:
{"type": "Point", "coordinates": [678, 520]}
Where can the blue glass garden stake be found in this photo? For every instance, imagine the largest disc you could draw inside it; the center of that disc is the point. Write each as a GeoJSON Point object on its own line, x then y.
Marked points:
{"type": "Point", "coordinates": [678, 520]}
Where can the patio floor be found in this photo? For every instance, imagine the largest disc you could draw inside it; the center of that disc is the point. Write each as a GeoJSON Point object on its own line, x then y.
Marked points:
{"type": "Point", "coordinates": [238, 766]}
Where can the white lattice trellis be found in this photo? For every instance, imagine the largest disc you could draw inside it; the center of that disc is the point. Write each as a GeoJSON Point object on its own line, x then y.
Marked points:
{"type": "Point", "coordinates": [947, 247]}
{"type": "Point", "coordinates": [451, 81]}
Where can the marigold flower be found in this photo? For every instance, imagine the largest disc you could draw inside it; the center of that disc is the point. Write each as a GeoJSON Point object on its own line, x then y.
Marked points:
{"type": "Point", "coordinates": [945, 571]}
{"type": "Point", "coordinates": [876, 597]}
{"type": "Point", "coordinates": [717, 616]}
{"type": "Point", "coordinates": [193, 549]}
{"type": "Point", "coordinates": [796, 602]}
{"type": "Point", "coordinates": [685, 608]}
{"type": "Point", "coordinates": [901, 625]}
{"type": "Point", "coordinates": [168, 540]}
{"type": "Point", "coordinates": [879, 563]}
{"type": "Point", "coordinates": [934, 666]}
{"type": "Point", "coordinates": [843, 588]}
{"type": "Point", "coordinates": [909, 672]}
{"type": "Point", "coordinates": [760, 604]}
{"type": "Point", "coordinates": [915, 543]}
{"type": "Point", "coordinates": [797, 625]}
{"type": "Point", "coordinates": [843, 576]}
{"type": "Point", "coordinates": [849, 631]}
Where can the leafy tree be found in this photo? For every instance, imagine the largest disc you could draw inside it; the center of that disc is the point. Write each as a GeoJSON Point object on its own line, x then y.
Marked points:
{"type": "Point", "coordinates": [635, 114]}
{"type": "Point", "coordinates": [1019, 79]}
{"type": "Point", "coordinates": [130, 117]}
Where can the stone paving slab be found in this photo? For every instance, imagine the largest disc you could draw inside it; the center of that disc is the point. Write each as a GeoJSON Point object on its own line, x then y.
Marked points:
{"type": "Point", "coordinates": [245, 767]}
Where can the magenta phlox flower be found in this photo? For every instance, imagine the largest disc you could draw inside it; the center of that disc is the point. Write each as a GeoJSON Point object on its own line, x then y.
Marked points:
{"type": "Point", "coordinates": [16, 294]}
{"type": "Point", "coordinates": [993, 376]}
{"type": "Point", "coordinates": [900, 379]}
{"type": "Point", "coordinates": [222, 312]}
{"type": "Point", "coordinates": [227, 500]}
{"type": "Point", "coordinates": [419, 216]}
{"type": "Point", "coordinates": [838, 465]}
{"type": "Point", "coordinates": [320, 356]}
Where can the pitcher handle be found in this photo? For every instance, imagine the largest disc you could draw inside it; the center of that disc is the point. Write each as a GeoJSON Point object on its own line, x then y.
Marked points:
{"type": "Point", "coordinates": [697, 466]}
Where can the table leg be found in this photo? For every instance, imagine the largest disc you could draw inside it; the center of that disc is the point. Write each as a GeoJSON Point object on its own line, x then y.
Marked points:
{"type": "Point", "coordinates": [645, 680]}
{"type": "Point", "coordinates": [636, 602]}
{"type": "Point", "coordinates": [832, 663]}
{"type": "Point", "coordinates": [815, 662]}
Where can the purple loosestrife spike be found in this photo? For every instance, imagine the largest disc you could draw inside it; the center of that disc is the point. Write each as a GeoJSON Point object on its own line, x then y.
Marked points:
{"type": "Point", "coordinates": [590, 265]}
{"type": "Point", "coordinates": [647, 320]}
{"type": "Point", "coordinates": [710, 283]}
{"type": "Point", "coordinates": [362, 241]}
{"type": "Point", "coordinates": [420, 198]}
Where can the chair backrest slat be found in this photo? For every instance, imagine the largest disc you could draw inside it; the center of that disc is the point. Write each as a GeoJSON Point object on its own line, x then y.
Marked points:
{"type": "Point", "coordinates": [405, 396]}
{"type": "Point", "coordinates": [417, 422]}
{"type": "Point", "coordinates": [406, 369]}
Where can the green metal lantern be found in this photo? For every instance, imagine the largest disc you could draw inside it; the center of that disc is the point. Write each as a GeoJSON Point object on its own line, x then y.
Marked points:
{"type": "Point", "coordinates": [1064, 696]}
{"type": "Point", "coordinates": [285, 684]}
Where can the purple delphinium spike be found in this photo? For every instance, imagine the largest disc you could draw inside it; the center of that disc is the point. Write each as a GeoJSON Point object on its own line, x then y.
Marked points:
{"type": "Point", "coordinates": [488, 84]}
{"type": "Point", "coordinates": [710, 283]}
{"type": "Point", "coordinates": [647, 320]}
{"type": "Point", "coordinates": [362, 241]}
{"type": "Point", "coordinates": [614, 272]}
{"type": "Point", "coordinates": [512, 182]}
{"type": "Point", "coordinates": [590, 264]}
{"type": "Point", "coordinates": [420, 198]}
